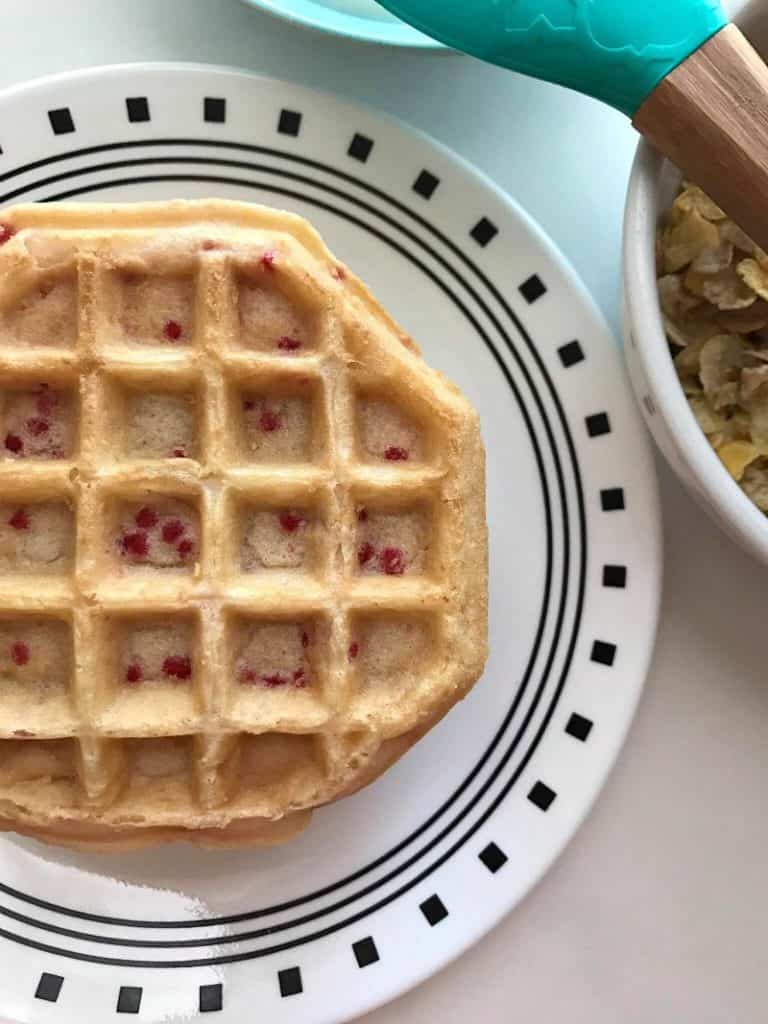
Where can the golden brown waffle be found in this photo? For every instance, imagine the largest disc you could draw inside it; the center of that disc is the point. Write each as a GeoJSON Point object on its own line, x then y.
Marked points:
{"type": "Point", "coordinates": [243, 555]}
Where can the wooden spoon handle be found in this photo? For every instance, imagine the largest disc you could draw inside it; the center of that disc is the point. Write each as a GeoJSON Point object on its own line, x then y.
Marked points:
{"type": "Point", "coordinates": [710, 116]}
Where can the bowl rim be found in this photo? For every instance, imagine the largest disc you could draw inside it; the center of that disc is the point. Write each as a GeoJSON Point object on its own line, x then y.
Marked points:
{"type": "Point", "coordinates": [314, 15]}
{"type": "Point", "coordinates": [651, 348]}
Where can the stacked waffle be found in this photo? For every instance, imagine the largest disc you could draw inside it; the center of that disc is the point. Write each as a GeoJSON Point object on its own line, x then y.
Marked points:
{"type": "Point", "coordinates": [242, 527]}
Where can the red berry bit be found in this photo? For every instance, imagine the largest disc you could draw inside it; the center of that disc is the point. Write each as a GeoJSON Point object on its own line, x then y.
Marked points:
{"type": "Point", "coordinates": [14, 443]}
{"type": "Point", "coordinates": [172, 530]}
{"type": "Point", "coordinates": [177, 666]}
{"type": "Point", "coordinates": [299, 679]}
{"type": "Point", "coordinates": [7, 231]}
{"type": "Point", "coordinates": [20, 519]}
{"type": "Point", "coordinates": [287, 344]}
{"type": "Point", "coordinates": [354, 650]}
{"type": "Point", "coordinates": [134, 673]}
{"type": "Point", "coordinates": [185, 548]}
{"type": "Point", "coordinates": [134, 545]}
{"type": "Point", "coordinates": [247, 675]}
{"type": "Point", "coordinates": [290, 522]}
{"type": "Point", "coordinates": [19, 653]}
{"type": "Point", "coordinates": [338, 272]}
{"type": "Point", "coordinates": [393, 454]}
{"type": "Point", "coordinates": [392, 562]}
{"type": "Point", "coordinates": [37, 426]}
{"type": "Point", "coordinates": [179, 453]}
{"type": "Point", "coordinates": [209, 245]}
{"type": "Point", "coordinates": [275, 680]}
{"type": "Point", "coordinates": [173, 330]}
{"type": "Point", "coordinates": [46, 401]}
{"type": "Point", "coordinates": [269, 421]}
{"type": "Point", "coordinates": [267, 261]}
{"type": "Point", "coordinates": [365, 553]}
{"type": "Point", "coordinates": [146, 518]}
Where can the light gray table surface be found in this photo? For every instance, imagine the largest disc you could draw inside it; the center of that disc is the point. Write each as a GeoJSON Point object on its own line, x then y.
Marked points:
{"type": "Point", "coordinates": [657, 913]}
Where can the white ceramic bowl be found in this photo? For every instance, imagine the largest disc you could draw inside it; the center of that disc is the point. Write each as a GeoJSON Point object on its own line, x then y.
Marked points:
{"type": "Point", "coordinates": [665, 408]}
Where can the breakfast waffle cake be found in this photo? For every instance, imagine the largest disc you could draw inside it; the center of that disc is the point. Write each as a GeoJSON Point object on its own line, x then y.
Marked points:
{"type": "Point", "coordinates": [243, 559]}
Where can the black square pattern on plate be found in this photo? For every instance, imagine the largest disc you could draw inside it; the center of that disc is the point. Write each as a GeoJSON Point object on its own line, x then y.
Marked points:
{"type": "Point", "coordinates": [49, 987]}
{"type": "Point", "coordinates": [603, 653]}
{"type": "Point", "coordinates": [360, 147]}
{"type": "Point", "coordinates": [434, 910]}
{"type": "Point", "coordinates": [615, 576]}
{"type": "Point", "coordinates": [211, 998]}
{"type": "Point", "coordinates": [571, 354]}
{"type": "Point", "coordinates": [493, 857]}
{"type": "Point", "coordinates": [290, 982]}
{"type": "Point", "coordinates": [426, 184]}
{"type": "Point", "coordinates": [533, 289]}
{"type": "Point", "coordinates": [129, 999]}
{"type": "Point", "coordinates": [598, 424]}
{"type": "Point", "coordinates": [579, 727]}
{"type": "Point", "coordinates": [542, 796]}
{"type": "Point", "coordinates": [365, 952]}
{"type": "Point", "coordinates": [215, 109]}
{"type": "Point", "coordinates": [289, 122]}
{"type": "Point", "coordinates": [61, 121]}
{"type": "Point", "coordinates": [612, 500]}
{"type": "Point", "coordinates": [138, 108]}
{"type": "Point", "coordinates": [484, 231]}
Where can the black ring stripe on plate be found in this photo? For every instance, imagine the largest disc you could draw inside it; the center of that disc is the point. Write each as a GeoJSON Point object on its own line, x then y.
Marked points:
{"type": "Point", "coordinates": [87, 189]}
{"type": "Point", "coordinates": [296, 195]}
{"type": "Point", "coordinates": [177, 177]}
{"type": "Point", "coordinates": [367, 226]}
{"type": "Point", "coordinates": [303, 940]}
{"type": "Point", "coordinates": [169, 924]}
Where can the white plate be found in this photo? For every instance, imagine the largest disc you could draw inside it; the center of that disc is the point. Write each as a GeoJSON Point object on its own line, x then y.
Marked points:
{"type": "Point", "coordinates": [389, 886]}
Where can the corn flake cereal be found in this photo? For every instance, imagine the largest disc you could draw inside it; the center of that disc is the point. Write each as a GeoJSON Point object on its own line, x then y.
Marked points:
{"type": "Point", "coordinates": [713, 291]}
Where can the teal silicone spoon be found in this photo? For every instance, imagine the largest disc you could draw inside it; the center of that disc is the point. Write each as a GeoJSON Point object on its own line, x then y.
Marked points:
{"type": "Point", "coordinates": [689, 80]}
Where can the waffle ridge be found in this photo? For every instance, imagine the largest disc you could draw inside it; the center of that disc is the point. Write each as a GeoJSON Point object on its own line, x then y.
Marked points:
{"type": "Point", "coordinates": [265, 567]}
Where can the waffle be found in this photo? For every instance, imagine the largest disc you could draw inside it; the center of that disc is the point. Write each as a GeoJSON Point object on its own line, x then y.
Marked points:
{"type": "Point", "coordinates": [243, 560]}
